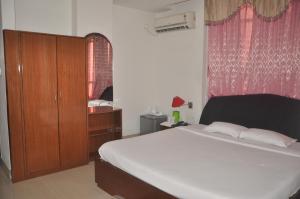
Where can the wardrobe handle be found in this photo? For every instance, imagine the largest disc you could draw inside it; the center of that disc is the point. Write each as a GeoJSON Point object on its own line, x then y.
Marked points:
{"type": "Point", "coordinates": [55, 98]}
{"type": "Point", "coordinates": [19, 68]}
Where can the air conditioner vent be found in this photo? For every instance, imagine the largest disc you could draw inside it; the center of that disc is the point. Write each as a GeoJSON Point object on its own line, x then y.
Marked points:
{"type": "Point", "coordinates": [175, 22]}
{"type": "Point", "coordinates": [172, 29]}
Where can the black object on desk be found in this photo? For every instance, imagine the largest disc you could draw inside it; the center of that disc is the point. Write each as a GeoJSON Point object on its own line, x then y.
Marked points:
{"type": "Point", "coordinates": [181, 123]}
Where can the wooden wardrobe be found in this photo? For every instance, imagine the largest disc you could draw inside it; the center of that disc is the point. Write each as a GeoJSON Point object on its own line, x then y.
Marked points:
{"type": "Point", "coordinates": [47, 102]}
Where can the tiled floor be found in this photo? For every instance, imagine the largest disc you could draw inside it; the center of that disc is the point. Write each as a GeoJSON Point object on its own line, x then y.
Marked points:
{"type": "Point", "coordinates": [75, 183]}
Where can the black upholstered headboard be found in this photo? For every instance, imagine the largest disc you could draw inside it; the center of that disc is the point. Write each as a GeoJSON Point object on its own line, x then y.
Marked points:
{"type": "Point", "coordinates": [265, 111]}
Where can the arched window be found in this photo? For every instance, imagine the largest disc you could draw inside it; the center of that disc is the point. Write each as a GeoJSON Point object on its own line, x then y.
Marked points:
{"type": "Point", "coordinates": [99, 55]}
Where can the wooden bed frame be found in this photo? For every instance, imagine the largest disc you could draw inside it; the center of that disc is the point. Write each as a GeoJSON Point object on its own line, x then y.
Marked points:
{"type": "Point", "coordinates": [229, 109]}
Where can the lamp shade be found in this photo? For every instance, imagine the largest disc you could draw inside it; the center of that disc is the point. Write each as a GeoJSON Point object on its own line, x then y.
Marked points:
{"type": "Point", "coordinates": [177, 102]}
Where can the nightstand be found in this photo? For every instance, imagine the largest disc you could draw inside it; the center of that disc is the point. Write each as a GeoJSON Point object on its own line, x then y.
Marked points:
{"type": "Point", "coordinates": [151, 123]}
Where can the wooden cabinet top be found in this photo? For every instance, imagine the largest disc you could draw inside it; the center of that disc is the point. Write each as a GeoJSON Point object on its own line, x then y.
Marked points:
{"type": "Point", "coordinates": [102, 109]}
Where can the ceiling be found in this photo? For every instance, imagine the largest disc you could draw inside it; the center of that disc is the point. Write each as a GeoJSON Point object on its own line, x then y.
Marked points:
{"type": "Point", "coordinates": [150, 5]}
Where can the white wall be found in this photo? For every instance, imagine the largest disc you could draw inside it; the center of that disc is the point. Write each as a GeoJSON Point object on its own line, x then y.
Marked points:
{"type": "Point", "coordinates": [93, 16]}
{"type": "Point", "coordinates": [66, 17]}
{"type": "Point", "coordinates": [179, 63]}
{"type": "Point", "coordinates": [133, 71]}
{"type": "Point", "coordinates": [44, 16]}
{"type": "Point", "coordinates": [8, 14]}
{"type": "Point", "coordinates": [4, 137]}
{"type": "Point", "coordinates": [148, 70]}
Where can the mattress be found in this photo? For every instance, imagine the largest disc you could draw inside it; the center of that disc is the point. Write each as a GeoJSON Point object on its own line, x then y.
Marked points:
{"type": "Point", "coordinates": [188, 162]}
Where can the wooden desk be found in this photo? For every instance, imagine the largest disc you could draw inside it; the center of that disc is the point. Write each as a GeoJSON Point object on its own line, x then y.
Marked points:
{"type": "Point", "coordinates": [104, 125]}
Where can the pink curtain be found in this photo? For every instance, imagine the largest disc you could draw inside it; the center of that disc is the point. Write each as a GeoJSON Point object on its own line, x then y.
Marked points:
{"type": "Point", "coordinates": [99, 65]}
{"type": "Point", "coordinates": [248, 54]}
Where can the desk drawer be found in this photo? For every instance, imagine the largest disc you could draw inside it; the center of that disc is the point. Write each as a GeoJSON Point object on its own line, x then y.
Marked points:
{"type": "Point", "coordinates": [97, 139]}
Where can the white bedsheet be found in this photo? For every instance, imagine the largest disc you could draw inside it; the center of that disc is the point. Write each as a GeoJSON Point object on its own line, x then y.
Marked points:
{"type": "Point", "coordinates": [93, 103]}
{"type": "Point", "coordinates": [189, 163]}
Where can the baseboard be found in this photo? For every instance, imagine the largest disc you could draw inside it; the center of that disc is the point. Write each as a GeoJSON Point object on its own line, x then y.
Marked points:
{"type": "Point", "coordinates": [6, 171]}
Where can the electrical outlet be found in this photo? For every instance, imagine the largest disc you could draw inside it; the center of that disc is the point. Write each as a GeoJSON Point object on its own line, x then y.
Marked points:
{"type": "Point", "coordinates": [190, 105]}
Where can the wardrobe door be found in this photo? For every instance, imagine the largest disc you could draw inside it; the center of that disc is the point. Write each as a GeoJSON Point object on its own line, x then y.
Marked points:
{"type": "Point", "coordinates": [14, 93]}
{"type": "Point", "coordinates": [72, 101]}
{"type": "Point", "coordinates": [38, 55]}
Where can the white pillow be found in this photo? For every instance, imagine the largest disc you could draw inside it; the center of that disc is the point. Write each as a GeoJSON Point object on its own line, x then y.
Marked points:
{"type": "Point", "coordinates": [233, 130]}
{"type": "Point", "coordinates": [267, 136]}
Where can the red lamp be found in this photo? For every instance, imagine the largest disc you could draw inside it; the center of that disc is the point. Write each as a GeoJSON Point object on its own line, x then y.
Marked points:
{"type": "Point", "coordinates": [177, 102]}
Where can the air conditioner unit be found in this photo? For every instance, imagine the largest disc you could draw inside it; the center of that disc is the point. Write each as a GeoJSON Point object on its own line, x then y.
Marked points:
{"type": "Point", "coordinates": [175, 22]}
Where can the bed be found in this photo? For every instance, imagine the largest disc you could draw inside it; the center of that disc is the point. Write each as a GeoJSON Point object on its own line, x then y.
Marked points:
{"type": "Point", "coordinates": [201, 165]}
